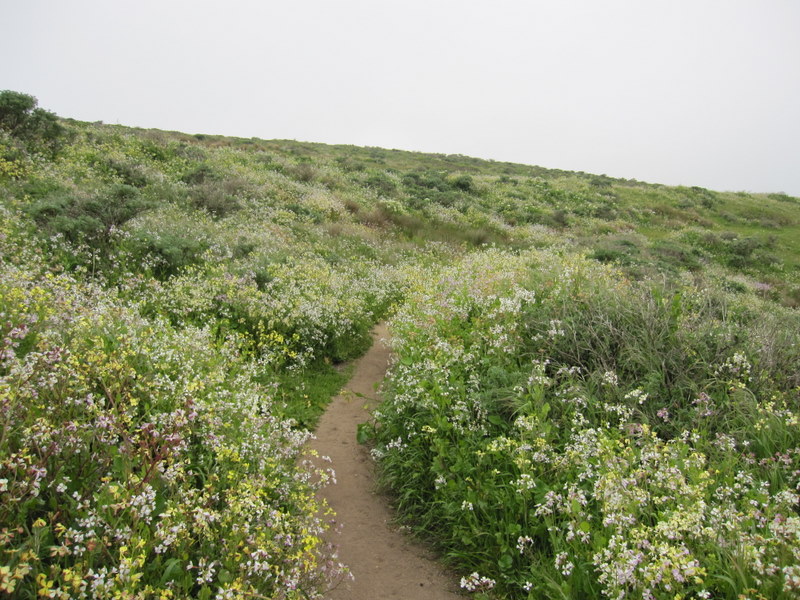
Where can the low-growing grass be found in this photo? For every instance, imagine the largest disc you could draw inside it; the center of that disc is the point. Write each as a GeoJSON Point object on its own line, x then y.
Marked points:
{"type": "Point", "coordinates": [304, 396]}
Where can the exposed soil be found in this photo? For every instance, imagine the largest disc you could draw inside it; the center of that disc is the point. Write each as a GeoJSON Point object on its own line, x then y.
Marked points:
{"type": "Point", "coordinates": [384, 562]}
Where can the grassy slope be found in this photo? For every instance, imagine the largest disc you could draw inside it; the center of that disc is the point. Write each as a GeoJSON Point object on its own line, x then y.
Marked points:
{"type": "Point", "coordinates": [282, 254]}
{"type": "Point", "coordinates": [504, 200]}
{"type": "Point", "coordinates": [251, 205]}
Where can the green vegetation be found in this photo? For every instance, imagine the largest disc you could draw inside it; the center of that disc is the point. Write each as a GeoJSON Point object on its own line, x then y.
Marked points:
{"type": "Point", "coordinates": [37, 129]}
{"type": "Point", "coordinates": [562, 432]}
{"type": "Point", "coordinates": [598, 375]}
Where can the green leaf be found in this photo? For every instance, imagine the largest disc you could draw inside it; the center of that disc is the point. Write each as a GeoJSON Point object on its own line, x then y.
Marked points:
{"type": "Point", "coordinates": [171, 568]}
{"type": "Point", "coordinates": [225, 576]}
{"type": "Point", "coordinates": [364, 432]}
{"type": "Point", "coordinates": [506, 562]}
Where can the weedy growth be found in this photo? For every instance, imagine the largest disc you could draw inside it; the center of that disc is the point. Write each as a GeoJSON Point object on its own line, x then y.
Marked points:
{"type": "Point", "coordinates": [598, 375]}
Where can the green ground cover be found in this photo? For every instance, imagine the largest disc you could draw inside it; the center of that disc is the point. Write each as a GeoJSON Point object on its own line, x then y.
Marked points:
{"type": "Point", "coordinates": [601, 374]}
{"type": "Point", "coordinates": [563, 432]}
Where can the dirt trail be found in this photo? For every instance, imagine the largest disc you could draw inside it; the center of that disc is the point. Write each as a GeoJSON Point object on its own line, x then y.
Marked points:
{"type": "Point", "coordinates": [385, 563]}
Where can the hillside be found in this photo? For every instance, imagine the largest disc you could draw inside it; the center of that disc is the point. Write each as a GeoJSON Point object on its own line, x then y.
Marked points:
{"type": "Point", "coordinates": [648, 229]}
{"type": "Point", "coordinates": [601, 374]}
{"type": "Point", "coordinates": [645, 228]}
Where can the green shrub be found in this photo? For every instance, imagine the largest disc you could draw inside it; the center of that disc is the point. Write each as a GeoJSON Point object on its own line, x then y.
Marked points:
{"type": "Point", "coordinates": [465, 183]}
{"type": "Point", "coordinates": [731, 249]}
{"type": "Point", "coordinates": [140, 460]}
{"type": "Point", "coordinates": [217, 197]}
{"type": "Point", "coordinates": [675, 255]}
{"type": "Point", "coordinates": [303, 172]}
{"type": "Point", "coordinates": [130, 173]}
{"type": "Point", "coordinates": [780, 197]}
{"type": "Point", "coordinates": [88, 220]}
{"type": "Point", "coordinates": [348, 165]}
{"type": "Point", "coordinates": [166, 253]}
{"type": "Point", "coordinates": [381, 183]}
{"type": "Point", "coordinates": [614, 249]}
{"type": "Point", "coordinates": [200, 174]}
{"type": "Point", "coordinates": [558, 219]}
{"type": "Point", "coordinates": [608, 255]}
{"type": "Point", "coordinates": [38, 128]}
{"type": "Point", "coordinates": [430, 186]}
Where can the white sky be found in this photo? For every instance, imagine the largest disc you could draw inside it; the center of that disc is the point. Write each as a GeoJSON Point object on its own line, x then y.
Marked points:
{"type": "Point", "coordinates": [691, 92]}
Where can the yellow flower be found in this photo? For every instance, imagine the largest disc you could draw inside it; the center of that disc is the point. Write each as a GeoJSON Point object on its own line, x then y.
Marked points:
{"type": "Point", "coordinates": [7, 583]}
{"type": "Point", "coordinates": [45, 585]}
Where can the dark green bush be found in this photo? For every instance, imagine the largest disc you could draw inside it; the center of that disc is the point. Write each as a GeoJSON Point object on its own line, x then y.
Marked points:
{"type": "Point", "coordinates": [423, 187]}
{"type": "Point", "coordinates": [621, 251]}
{"type": "Point", "coordinates": [428, 180]}
{"type": "Point", "coordinates": [464, 183]}
{"type": "Point", "coordinates": [130, 173]}
{"type": "Point", "coordinates": [558, 219]}
{"type": "Point", "coordinates": [303, 172]}
{"type": "Point", "coordinates": [200, 174]}
{"type": "Point", "coordinates": [39, 129]}
{"type": "Point", "coordinates": [381, 183]}
{"type": "Point", "coordinates": [605, 212]}
{"type": "Point", "coordinates": [706, 197]}
{"type": "Point", "coordinates": [156, 149]}
{"type": "Point", "coordinates": [348, 165]}
{"type": "Point", "coordinates": [675, 255]}
{"type": "Point", "coordinates": [730, 249]}
{"type": "Point", "coordinates": [37, 187]}
{"type": "Point", "coordinates": [190, 152]}
{"type": "Point", "coordinates": [607, 255]}
{"type": "Point", "coordinates": [215, 197]}
{"type": "Point", "coordinates": [167, 253]}
{"type": "Point", "coordinates": [15, 110]}
{"type": "Point", "coordinates": [268, 162]}
{"type": "Point", "coordinates": [244, 247]}
{"type": "Point", "coordinates": [87, 220]}
{"type": "Point", "coordinates": [602, 182]}
{"type": "Point", "coordinates": [781, 197]}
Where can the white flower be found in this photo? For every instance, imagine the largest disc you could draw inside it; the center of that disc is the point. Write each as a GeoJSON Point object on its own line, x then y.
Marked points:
{"type": "Point", "coordinates": [639, 395]}
{"type": "Point", "coordinates": [475, 583]}
{"type": "Point", "coordinates": [610, 378]}
{"type": "Point", "coordinates": [524, 483]}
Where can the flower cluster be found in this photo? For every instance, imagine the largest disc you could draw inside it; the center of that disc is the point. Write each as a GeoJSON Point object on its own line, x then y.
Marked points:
{"type": "Point", "coordinates": [139, 459]}
{"type": "Point", "coordinates": [476, 583]}
{"type": "Point", "coordinates": [556, 461]}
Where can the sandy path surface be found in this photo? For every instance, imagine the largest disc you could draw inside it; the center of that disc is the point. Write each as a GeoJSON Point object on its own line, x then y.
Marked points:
{"type": "Point", "coordinates": [385, 563]}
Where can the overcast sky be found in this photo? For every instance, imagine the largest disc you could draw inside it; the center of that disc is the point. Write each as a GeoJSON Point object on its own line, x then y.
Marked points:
{"type": "Point", "coordinates": [691, 92]}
